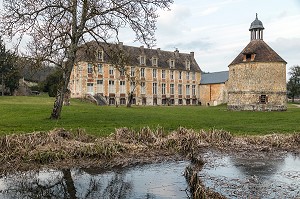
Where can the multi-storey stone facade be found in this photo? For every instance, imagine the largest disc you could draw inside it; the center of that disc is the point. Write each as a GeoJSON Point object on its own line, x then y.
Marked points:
{"type": "Point", "coordinates": [257, 76]}
{"type": "Point", "coordinates": [153, 76]}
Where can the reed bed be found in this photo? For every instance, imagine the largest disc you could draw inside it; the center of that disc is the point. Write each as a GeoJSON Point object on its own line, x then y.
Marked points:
{"type": "Point", "coordinates": [59, 145]}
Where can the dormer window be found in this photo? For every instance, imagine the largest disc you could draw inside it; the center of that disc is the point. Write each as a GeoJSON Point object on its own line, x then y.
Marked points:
{"type": "Point", "coordinates": [100, 55]}
{"type": "Point", "coordinates": [172, 63]}
{"type": "Point", "coordinates": [249, 57]}
{"type": "Point", "coordinates": [142, 60]}
{"type": "Point", "coordinates": [187, 65]}
{"type": "Point", "coordinates": [154, 61]}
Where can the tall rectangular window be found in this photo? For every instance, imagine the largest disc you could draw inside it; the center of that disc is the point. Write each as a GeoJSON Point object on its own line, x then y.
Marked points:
{"type": "Point", "coordinates": [132, 71]}
{"type": "Point", "coordinates": [171, 74]}
{"type": "Point", "coordinates": [172, 89]}
{"type": "Point", "coordinates": [100, 86]}
{"type": "Point", "coordinates": [163, 89]}
{"type": "Point", "coordinates": [194, 90]}
{"type": "Point", "coordinates": [187, 89]}
{"type": "Point", "coordinates": [163, 74]}
{"type": "Point", "coordinates": [90, 68]}
{"type": "Point", "coordinates": [142, 72]}
{"type": "Point", "coordinates": [90, 88]}
{"type": "Point", "coordinates": [179, 89]}
{"type": "Point", "coordinates": [154, 73]}
{"type": "Point", "coordinates": [122, 86]}
{"type": "Point", "coordinates": [143, 88]}
{"type": "Point", "coordinates": [100, 68]}
{"type": "Point", "coordinates": [193, 75]}
{"type": "Point", "coordinates": [111, 70]}
{"type": "Point", "coordinates": [187, 75]}
{"type": "Point", "coordinates": [154, 88]}
{"type": "Point", "coordinates": [111, 86]}
{"type": "Point", "coordinates": [132, 86]}
{"type": "Point", "coordinates": [179, 74]}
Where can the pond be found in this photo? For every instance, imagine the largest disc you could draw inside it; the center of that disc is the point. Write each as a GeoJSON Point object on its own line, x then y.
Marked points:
{"type": "Point", "coordinates": [236, 175]}
{"type": "Point", "coordinates": [255, 175]}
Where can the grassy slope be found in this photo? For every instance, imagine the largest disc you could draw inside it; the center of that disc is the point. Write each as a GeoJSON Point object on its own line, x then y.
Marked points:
{"type": "Point", "coordinates": [27, 114]}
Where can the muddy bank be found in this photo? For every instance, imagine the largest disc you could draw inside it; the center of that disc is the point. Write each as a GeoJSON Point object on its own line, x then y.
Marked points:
{"type": "Point", "coordinates": [59, 148]}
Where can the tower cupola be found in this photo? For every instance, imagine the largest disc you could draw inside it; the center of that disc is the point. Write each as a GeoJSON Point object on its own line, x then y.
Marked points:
{"type": "Point", "coordinates": [256, 29]}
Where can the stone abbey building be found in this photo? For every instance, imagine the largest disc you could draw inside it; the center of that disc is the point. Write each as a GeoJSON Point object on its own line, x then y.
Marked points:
{"type": "Point", "coordinates": [152, 76]}
{"type": "Point", "coordinates": [256, 79]}
{"type": "Point", "coordinates": [257, 76]}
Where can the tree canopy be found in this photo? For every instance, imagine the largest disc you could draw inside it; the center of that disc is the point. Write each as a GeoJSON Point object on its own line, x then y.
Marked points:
{"type": "Point", "coordinates": [58, 27]}
{"type": "Point", "coordinates": [293, 85]}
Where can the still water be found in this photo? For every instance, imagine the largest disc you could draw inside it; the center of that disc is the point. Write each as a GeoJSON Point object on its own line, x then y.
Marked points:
{"type": "Point", "coordinates": [242, 175]}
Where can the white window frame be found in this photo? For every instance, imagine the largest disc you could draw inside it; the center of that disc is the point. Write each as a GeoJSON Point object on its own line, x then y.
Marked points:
{"type": "Point", "coordinates": [122, 87]}
{"type": "Point", "coordinates": [112, 88]}
{"type": "Point", "coordinates": [163, 74]}
{"type": "Point", "coordinates": [143, 88]}
{"type": "Point", "coordinates": [163, 88]}
{"type": "Point", "coordinates": [154, 88]}
{"type": "Point", "coordinates": [193, 90]}
{"type": "Point", "coordinates": [179, 89]}
{"type": "Point", "coordinates": [142, 60]}
{"type": "Point", "coordinates": [154, 72]}
{"type": "Point", "coordinates": [172, 89]}
{"type": "Point", "coordinates": [142, 72]}
{"type": "Point", "coordinates": [100, 86]}
{"type": "Point", "coordinates": [100, 55]}
{"type": "Point", "coordinates": [187, 89]}
{"type": "Point", "coordinates": [180, 75]}
{"type": "Point", "coordinates": [171, 74]}
{"type": "Point", "coordinates": [111, 70]}
{"type": "Point", "coordinates": [188, 65]}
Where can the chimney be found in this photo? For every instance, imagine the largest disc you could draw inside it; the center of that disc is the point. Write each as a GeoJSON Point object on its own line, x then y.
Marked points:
{"type": "Point", "coordinates": [192, 54]}
{"type": "Point", "coordinates": [176, 52]}
{"type": "Point", "coordinates": [121, 45]}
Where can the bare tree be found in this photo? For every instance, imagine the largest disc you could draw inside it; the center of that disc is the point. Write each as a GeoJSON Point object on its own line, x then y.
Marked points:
{"type": "Point", "coordinates": [58, 27]}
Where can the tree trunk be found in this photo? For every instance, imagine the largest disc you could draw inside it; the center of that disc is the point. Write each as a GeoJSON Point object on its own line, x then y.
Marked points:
{"type": "Point", "coordinates": [71, 190]}
{"type": "Point", "coordinates": [2, 84]}
{"type": "Point", "coordinates": [130, 97]}
{"type": "Point", "coordinates": [58, 103]}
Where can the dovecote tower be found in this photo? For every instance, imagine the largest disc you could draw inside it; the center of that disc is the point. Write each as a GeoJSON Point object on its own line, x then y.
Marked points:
{"type": "Point", "coordinates": [257, 76]}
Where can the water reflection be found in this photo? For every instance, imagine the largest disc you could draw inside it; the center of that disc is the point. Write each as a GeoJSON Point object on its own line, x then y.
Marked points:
{"type": "Point", "coordinates": [157, 181]}
{"type": "Point", "coordinates": [263, 175]}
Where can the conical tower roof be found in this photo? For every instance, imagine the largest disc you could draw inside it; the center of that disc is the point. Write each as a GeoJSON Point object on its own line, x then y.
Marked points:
{"type": "Point", "coordinates": [263, 53]}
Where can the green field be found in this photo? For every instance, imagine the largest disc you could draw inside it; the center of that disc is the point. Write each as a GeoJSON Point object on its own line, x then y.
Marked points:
{"type": "Point", "coordinates": [28, 114]}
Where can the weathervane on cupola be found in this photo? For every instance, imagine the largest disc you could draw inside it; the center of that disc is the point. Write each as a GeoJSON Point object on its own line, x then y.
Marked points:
{"type": "Point", "coordinates": [256, 29]}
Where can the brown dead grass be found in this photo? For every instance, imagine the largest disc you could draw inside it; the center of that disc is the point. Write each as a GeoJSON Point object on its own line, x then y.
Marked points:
{"type": "Point", "coordinates": [60, 147]}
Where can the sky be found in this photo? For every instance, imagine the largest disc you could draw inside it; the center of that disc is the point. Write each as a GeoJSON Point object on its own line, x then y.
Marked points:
{"type": "Point", "coordinates": [218, 30]}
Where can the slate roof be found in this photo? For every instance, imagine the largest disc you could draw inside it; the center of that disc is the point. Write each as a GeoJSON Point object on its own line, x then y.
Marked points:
{"type": "Point", "coordinates": [87, 52]}
{"type": "Point", "coordinates": [264, 53]}
{"type": "Point", "coordinates": [214, 78]}
{"type": "Point", "coordinates": [256, 24]}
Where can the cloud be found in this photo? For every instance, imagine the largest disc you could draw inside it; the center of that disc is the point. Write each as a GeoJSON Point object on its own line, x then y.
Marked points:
{"type": "Point", "coordinates": [203, 44]}
{"type": "Point", "coordinates": [209, 11]}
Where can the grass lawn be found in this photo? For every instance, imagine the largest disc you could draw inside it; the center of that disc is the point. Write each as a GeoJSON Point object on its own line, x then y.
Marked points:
{"type": "Point", "coordinates": [30, 113]}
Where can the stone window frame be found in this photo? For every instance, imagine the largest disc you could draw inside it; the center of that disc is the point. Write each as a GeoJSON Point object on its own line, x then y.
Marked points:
{"type": "Point", "coordinates": [142, 60]}
{"type": "Point", "coordinates": [263, 99]}
{"type": "Point", "coordinates": [154, 61]}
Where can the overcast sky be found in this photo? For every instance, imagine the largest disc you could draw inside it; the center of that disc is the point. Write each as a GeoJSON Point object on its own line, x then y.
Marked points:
{"type": "Point", "coordinates": [218, 30]}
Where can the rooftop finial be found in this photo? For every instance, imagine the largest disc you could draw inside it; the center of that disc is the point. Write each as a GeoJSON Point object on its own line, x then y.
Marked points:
{"type": "Point", "coordinates": [256, 16]}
